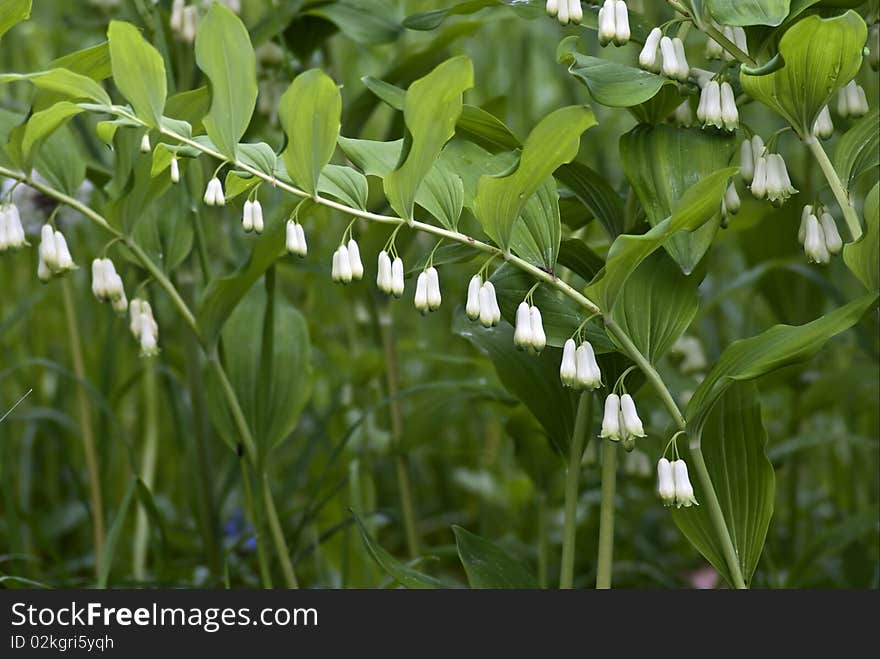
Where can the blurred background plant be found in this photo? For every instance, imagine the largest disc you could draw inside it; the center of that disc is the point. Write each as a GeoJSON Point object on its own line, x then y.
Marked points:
{"type": "Point", "coordinates": [380, 383]}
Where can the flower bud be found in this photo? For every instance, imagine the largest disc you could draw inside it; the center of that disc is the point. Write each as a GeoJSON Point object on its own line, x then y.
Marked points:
{"type": "Point", "coordinates": [99, 286]}
{"type": "Point", "coordinates": [47, 249]}
{"type": "Point", "coordinates": [175, 170]}
{"type": "Point", "coordinates": [214, 193]}
{"type": "Point", "coordinates": [354, 260]}
{"type": "Point", "coordinates": [575, 11]}
{"type": "Point", "coordinates": [823, 127]}
{"type": "Point", "coordinates": [684, 69]}
{"type": "Point", "coordinates": [648, 56]}
{"type": "Point", "coordinates": [490, 312]}
{"type": "Point", "coordinates": [568, 367]}
{"type": "Point", "coordinates": [746, 161]}
{"type": "Point", "coordinates": [709, 110]}
{"type": "Point", "coordinates": [397, 283]}
{"type": "Point", "coordinates": [383, 272]}
{"type": "Point", "coordinates": [833, 241]}
{"type": "Point", "coordinates": [621, 23]}
{"type": "Point", "coordinates": [665, 482]}
{"type": "Point", "coordinates": [802, 229]}
{"type": "Point", "coordinates": [684, 491]}
{"type": "Point", "coordinates": [729, 111]}
{"type": "Point", "coordinates": [670, 61]}
{"type": "Point", "coordinates": [759, 181]}
{"type": "Point", "coordinates": [472, 307]}
{"type": "Point", "coordinates": [421, 297]}
{"type": "Point", "coordinates": [588, 374]}
{"type": "Point", "coordinates": [247, 216]}
{"type": "Point", "coordinates": [493, 302]}
{"type": "Point", "coordinates": [562, 15]}
{"type": "Point", "coordinates": [683, 116]}
{"type": "Point", "coordinates": [292, 238]}
{"type": "Point", "coordinates": [631, 421]}
{"type": "Point", "coordinates": [814, 241]}
{"type": "Point", "coordinates": [145, 143]}
{"type": "Point", "coordinates": [343, 265]}
{"type": "Point", "coordinates": [732, 202]}
{"type": "Point", "coordinates": [539, 338]}
{"type": "Point", "coordinates": [433, 289]}
{"type": "Point", "coordinates": [553, 6]}
{"type": "Point", "coordinates": [522, 334]}
{"type": "Point", "coordinates": [607, 22]}
{"type": "Point", "coordinates": [64, 261]}
{"type": "Point", "coordinates": [611, 418]}
{"type": "Point", "coordinates": [257, 210]}
{"type": "Point", "coordinates": [713, 49]}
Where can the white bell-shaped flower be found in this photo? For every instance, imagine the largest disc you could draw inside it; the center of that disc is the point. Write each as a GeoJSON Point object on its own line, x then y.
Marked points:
{"type": "Point", "coordinates": [568, 367]}
{"type": "Point", "coordinates": [553, 6]}
{"type": "Point", "coordinates": [12, 234]}
{"type": "Point", "coordinates": [683, 115]}
{"type": "Point", "coordinates": [611, 419]}
{"type": "Point", "coordinates": [539, 338]}
{"type": "Point", "coordinates": [669, 67]}
{"type": "Point", "coordinates": [383, 272]}
{"type": "Point", "coordinates": [833, 241]}
{"type": "Point", "coordinates": [779, 187]}
{"type": "Point", "coordinates": [175, 170]}
{"type": "Point", "coordinates": [714, 51]}
{"type": "Point", "coordinates": [99, 286]}
{"type": "Point", "coordinates": [145, 143]}
{"type": "Point", "coordinates": [852, 101]}
{"type": "Point", "coordinates": [433, 286]}
{"type": "Point", "coordinates": [731, 201]}
{"type": "Point", "coordinates": [684, 69]}
{"type": "Point", "coordinates": [64, 261]}
{"type": "Point", "coordinates": [575, 11]}
{"type": "Point", "coordinates": [295, 238]}
{"type": "Point", "coordinates": [737, 35]}
{"type": "Point", "coordinates": [144, 327]}
{"type": "Point", "coordinates": [472, 306]}
{"type": "Point", "coordinates": [397, 283]}
{"type": "Point", "coordinates": [665, 482]}
{"type": "Point", "coordinates": [522, 333]}
{"type": "Point", "coordinates": [802, 229]}
{"type": "Point", "coordinates": [746, 161]}
{"type": "Point", "coordinates": [823, 127]}
{"type": "Point", "coordinates": [490, 312]}
{"type": "Point", "coordinates": [247, 216]}
{"type": "Point", "coordinates": [814, 241]}
{"type": "Point", "coordinates": [214, 193]}
{"type": "Point", "coordinates": [421, 297]}
{"type": "Point", "coordinates": [729, 111]}
{"type": "Point", "coordinates": [632, 424]}
{"type": "Point", "coordinates": [621, 24]}
{"type": "Point", "coordinates": [709, 109]}
{"type": "Point", "coordinates": [684, 491]}
{"type": "Point", "coordinates": [354, 260]}
{"type": "Point", "coordinates": [47, 250]}
{"type": "Point", "coordinates": [649, 57]}
{"type": "Point", "coordinates": [341, 270]}
{"type": "Point", "coordinates": [693, 358]}
{"type": "Point", "coordinates": [257, 210]}
{"type": "Point", "coordinates": [759, 180]}
{"type": "Point", "coordinates": [607, 23]}
{"type": "Point", "coordinates": [589, 376]}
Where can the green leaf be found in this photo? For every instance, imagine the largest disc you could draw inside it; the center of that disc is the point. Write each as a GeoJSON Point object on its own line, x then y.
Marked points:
{"type": "Point", "coordinates": [779, 346]}
{"type": "Point", "coordinates": [863, 257]}
{"type": "Point", "coordinates": [596, 194]}
{"type": "Point", "coordinates": [224, 52]}
{"type": "Point", "coordinates": [748, 12]}
{"type": "Point", "coordinates": [164, 227]}
{"type": "Point", "coordinates": [138, 71]}
{"type": "Point", "coordinates": [403, 574]}
{"type": "Point", "coordinates": [697, 206]}
{"type": "Point", "coordinates": [269, 369]}
{"type": "Point", "coordinates": [610, 83]}
{"type": "Point", "coordinates": [537, 233]}
{"type": "Point", "coordinates": [821, 55]}
{"type": "Point", "coordinates": [345, 184]}
{"type": "Point", "coordinates": [656, 305]}
{"type": "Point", "coordinates": [442, 194]}
{"type": "Point", "coordinates": [735, 450]}
{"type": "Point", "coordinates": [431, 109]}
{"type": "Point", "coordinates": [371, 157]}
{"type": "Point", "coordinates": [61, 161]}
{"type": "Point", "coordinates": [310, 113]}
{"type": "Point", "coordinates": [113, 534]}
{"type": "Point", "coordinates": [430, 20]}
{"type": "Point", "coordinates": [534, 380]}
{"type": "Point", "coordinates": [553, 142]}
{"type": "Point", "coordinates": [859, 149]}
{"type": "Point", "coordinates": [44, 123]}
{"type": "Point", "coordinates": [365, 21]}
{"type": "Point", "coordinates": [13, 12]}
{"type": "Point", "coordinates": [485, 129]}
{"type": "Point", "coordinates": [661, 162]}
{"type": "Point", "coordinates": [489, 566]}
{"type": "Point", "coordinates": [70, 84]}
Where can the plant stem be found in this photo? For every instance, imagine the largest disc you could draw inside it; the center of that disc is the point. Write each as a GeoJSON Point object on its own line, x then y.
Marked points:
{"type": "Point", "coordinates": [542, 539]}
{"type": "Point", "coordinates": [86, 427]}
{"type": "Point", "coordinates": [278, 536]}
{"type": "Point", "coordinates": [148, 466]}
{"type": "Point", "coordinates": [257, 521]}
{"type": "Point", "coordinates": [849, 213]}
{"type": "Point", "coordinates": [401, 459]}
{"type": "Point", "coordinates": [606, 515]}
{"type": "Point", "coordinates": [582, 423]}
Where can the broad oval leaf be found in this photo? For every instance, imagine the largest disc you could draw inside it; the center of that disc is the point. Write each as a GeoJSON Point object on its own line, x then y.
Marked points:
{"type": "Point", "coordinates": [858, 150]}
{"type": "Point", "coordinates": [748, 12]}
{"type": "Point", "coordinates": [13, 12]}
{"type": "Point", "coordinates": [734, 449]}
{"type": "Point", "coordinates": [431, 109]}
{"type": "Point", "coordinates": [345, 184]}
{"type": "Point", "coordinates": [489, 566]}
{"type": "Point", "coordinates": [863, 257]}
{"type": "Point", "coordinates": [44, 123]}
{"type": "Point", "coordinates": [821, 55]}
{"type": "Point", "coordinates": [64, 82]}
{"type": "Point", "coordinates": [138, 71]}
{"type": "Point", "coordinates": [596, 194]}
{"type": "Point", "coordinates": [538, 232]}
{"type": "Point", "coordinates": [225, 54]}
{"type": "Point", "coordinates": [310, 113]}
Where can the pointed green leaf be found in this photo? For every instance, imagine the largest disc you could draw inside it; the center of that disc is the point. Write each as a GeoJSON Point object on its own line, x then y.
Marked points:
{"type": "Point", "coordinates": [310, 114]}
{"type": "Point", "coordinates": [489, 566]}
{"type": "Point", "coordinates": [748, 12]}
{"type": "Point", "coordinates": [821, 55]}
{"type": "Point", "coordinates": [442, 194]}
{"type": "Point", "coordinates": [225, 54]}
{"type": "Point", "coordinates": [70, 84]}
{"type": "Point", "coordinates": [402, 574]}
{"type": "Point", "coordinates": [371, 157]}
{"type": "Point", "coordinates": [596, 194]}
{"type": "Point", "coordinates": [553, 142]}
{"type": "Point", "coordinates": [863, 257]}
{"type": "Point", "coordinates": [138, 71]}
{"type": "Point", "coordinates": [44, 123]}
{"type": "Point", "coordinates": [431, 109]}
{"type": "Point", "coordinates": [734, 448]}
{"type": "Point", "coordinates": [13, 12]}
{"type": "Point", "coordinates": [112, 540]}
{"type": "Point", "coordinates": [537, 233]}
{"type": "Point", "coordinates": [345, 184]}
{"type": "Point", "coordinates": [858, 150]}
{"type": "Point", "coordinates": [260, 156]}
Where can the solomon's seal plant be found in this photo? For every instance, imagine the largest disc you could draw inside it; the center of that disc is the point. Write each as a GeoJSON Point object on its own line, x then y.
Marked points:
{"type": "Point", "coordinates": [587, 212]}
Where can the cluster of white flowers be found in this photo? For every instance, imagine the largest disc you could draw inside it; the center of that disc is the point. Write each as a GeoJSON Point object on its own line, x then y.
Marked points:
{"type": "Point", "coordinates": [674, 484]}
{"type": "Point", "coordinates": [736, 35]}
{"type": "Point", "coordinates": [214, 193]}
{"type": "Point", "coordinates": [252, 216]}
{"type": "Point", "coordinates": [482, 304]}
{"type": "Point", "coordinates": [851, 101]}
{"type": "Point", "coordinates": [693, 359]}
{"type": "Point", "coordinates": [823, 127]}
{"type": "Point", "coordinates": [565, 10]}
{"type": "Point", "coordinates": [529, 333]}
{"type": "Point", "coordinates": [144, 327]}
{"type": "Point", "coordinates": [295, 238]}
{"type": "Point", "coordinates": [389, 277]}
{"type": "Point", "coordinates": [661, 54]}
{"type": "Point", "coordinates": [718, 106]}
{"type": "Point", "coordinates": [11, 231]}
{"type": "Point", "coordinates": [579, 369]}
{"type": "Point", "coordinates": [428, 296]}
{"type": "Point", "coordinates": [347, 265]}
{"type": "Point", "coordinates": [614, 23]}
{"type": "Point", "coordinates": [819, 235]}
{"type": "Point", "coordinates": [55, 259]}
{"type": "Point", "coordinates": [766, 172]}
{"type": "Point", "coordinates": [184, 20]}
{"type": "Point", "coordinates": [107, 285]}
{"type": "Point", "coordinates": [621, 421]}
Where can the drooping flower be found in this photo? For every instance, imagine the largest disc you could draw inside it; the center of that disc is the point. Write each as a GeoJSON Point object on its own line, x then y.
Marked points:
{"type": "Point", "coordinates": [214, 193]}
{"type": "Point", "coordinates": [737, 35]}
{"type": "Point", "coordinates": [823, 127]}
{"type": "Point", "coordinates": [731, 203]}
{"type": "Point", "coordinates": [568, 367]}
{"type": "Point", "coordinates": [630, 421]}
{"type": "Point", "coordinates": [683, 115]}
{"type": "Point", "coordinates": [54, 255]}
{"type": "Point", "coordinates": [247, 216]}
{"type": "Point", "coordinates": [472, 307]}
{"type": "Point", "coordinates": [434, 296]}
{"type": "Point", "coordinates": [665, 482]}
{"type": "Point", "coordinates": [729, 111]}
{"type": "Point", "coordinates": [709, 108]}
{"type": "Point", "coordinates": [383, 272]}
{"type": "Point", "coordinates": [539, 338]}
{"type": "Point", "coordinates": [607, 23]}
{"type": "Point", "coordinates": [814, 241]}
{"type": "Point", "coordinates": [421, 297]}
{"type": "Point", "coordinates": [833, 241]}
{"type": "Point", "coordinates": [175, 170]}
{"type": "Point", "coordinates": [648, 57]}
{"type": "Point", "coordinates": [144, 327]}
{"type": "Point", "coordinates": [684, 491]}
{"type": "Point", "coordinates": [107, 285]}
{"type": "Point", "coordinates": [257, 210]}
{"type": "Point", "coordinates": [490, 312]}
{"type": "Point", "coordinates": [295, 238]}
{"type": "Point", "coordinates": [522, 334]}
{"type": "Point", "coordinates": [589, 376]}
{"type": "Point", "coordinates": [611, 419]}
{"type": "Point", "coordinates": [397, 283]}
{"type": "Point", "coordinates": [145, 143]}
{"type": "Point", "coordinates": [354, 260]}
{"type": "Point", "coordinates": [675, 64]}
{"type": "Point", "coordinates": [341, 267]}
{"type": "Point", "coordinates": [852, 101]}
{"type": "Point", "coordinates": [779, 187]}
{"type": "Point", "coordinates": [11, 230]}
